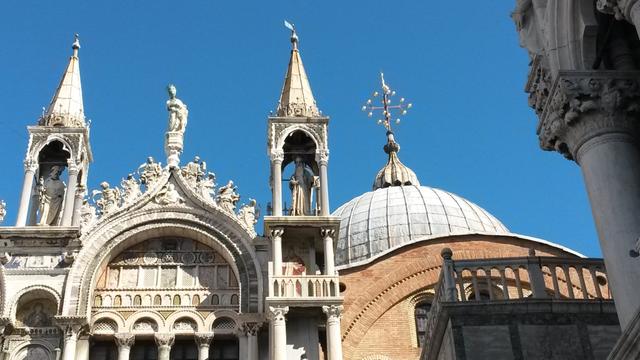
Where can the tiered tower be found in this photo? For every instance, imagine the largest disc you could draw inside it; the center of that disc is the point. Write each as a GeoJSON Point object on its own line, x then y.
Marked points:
{"type": "Point", "coordinates": [59, 144]}
{"type": "Point", "coordinates": [303, 285]}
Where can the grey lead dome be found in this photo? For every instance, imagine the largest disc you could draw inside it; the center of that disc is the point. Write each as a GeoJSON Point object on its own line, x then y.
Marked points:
{"type": "Point", "coordinates": [379, 221]}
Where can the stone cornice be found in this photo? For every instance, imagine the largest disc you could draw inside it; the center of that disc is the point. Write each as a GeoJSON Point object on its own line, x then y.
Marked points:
{"type": "Point", "coordinates": [586, 104]}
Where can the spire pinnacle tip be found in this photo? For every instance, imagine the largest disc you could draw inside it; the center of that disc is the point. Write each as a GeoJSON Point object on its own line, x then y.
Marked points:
{"type": "Point", "coordinates": [76, 45]}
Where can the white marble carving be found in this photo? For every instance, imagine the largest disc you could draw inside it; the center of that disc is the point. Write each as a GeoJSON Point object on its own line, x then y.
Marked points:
{"type": "Point", "coordinates": [184, 325]}
{"type": "Point", "coordinates": [228, 197]}
{"type": "Point", "coordinates": [301, 183]}
{"type": "Point", "coordinates": [206, 186]}
{"type": "Point", "coordinates": [3, 210]}
{"type": "Point", "coordinates": [109, 198]}
{"type": "Point", "coordinates": [249, 214]}
{"type": "Point", "coordinates": [145, 326]}
{"type": "Point", "coordinates": [51, 194]}
{"type": "Point", "coordinates": [149, 172]}
{"type": "Point", "coordinates": [168, 195]}
{"type": "Point", "coordinates": [178, 115]}
{"type": "Point", "coordinates": [130, 189]}
{"type": "Point", "coordinates": [88, 215]}
{"type": "Point", "coordinates": [194, 171]}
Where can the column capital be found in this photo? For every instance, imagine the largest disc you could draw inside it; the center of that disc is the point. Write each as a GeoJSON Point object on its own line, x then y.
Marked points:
{"type": "Point", "coordinates": [250, 328]}
{"type": "Point", "coordinates": [276, 232]}
{"type": "Point", "coordinates": [30, 164]}
{"type": "Point", "coordinates": [203, 338]}
{"type": "Point", "coordinates": [277, 313]}
{"type": "Point", "coordinates": [586, 104]}
{"type": "Point", "coordinates": [333, 311]}
{"type": "Point", "coordinates": [276, 155]}
{"type": "Point", "coordinates": [327, 233]}
{"type": "Point", "coordinates": [322, 156]}
{"type": "Point", "coordinates": [164, 339]}
{"type": "Point", "coordinates": [70, 325]}
{"type": "Point", "coordinates": [72, 167]}
{"type": "Point", "coordinates": [124, 340]}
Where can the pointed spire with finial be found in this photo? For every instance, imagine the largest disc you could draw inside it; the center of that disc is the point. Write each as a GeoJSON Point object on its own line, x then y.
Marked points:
{"type": "Point", "coordinates": [394, 173]}
{"type": "Point", "coordinates": [66, 107]}
{"type": "Point", "coordinates": [296, 98]}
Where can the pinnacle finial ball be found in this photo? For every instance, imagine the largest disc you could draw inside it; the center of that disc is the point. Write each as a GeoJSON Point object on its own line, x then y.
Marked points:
{"type": "Point", "coordinates": [446, 253]}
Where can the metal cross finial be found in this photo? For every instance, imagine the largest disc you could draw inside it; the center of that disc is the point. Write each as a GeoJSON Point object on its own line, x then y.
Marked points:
{"type": "Point", "coordinates": [387, 108]}
{"type": "Point", "coordinates": [294, 35]}
{"type": "Point", "coordinates": [76, 45]}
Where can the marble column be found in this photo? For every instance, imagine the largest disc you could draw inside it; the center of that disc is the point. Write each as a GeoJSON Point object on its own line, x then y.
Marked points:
{"type": "Point", "coordinates": [334, 341]}
{"type": "Point", "coordinates": [322, 157]}
{"type": "Point", "coordinates": [164, 342]}
{"type": "Point", "coordinates": [70, 194]}
{"type": "Point", "coordinates": [276, 172]}
{"type": "Point", "coordinates": [277, 321]}
{"type": "Point", "coordinates": [203, 340]}
{"type": "Point", "coordinates": [80, 191]}
{"type": "Point", "coordinates": [83, 348]}
{"type": "Point", "coordinates": [70, 343]}
{"type": "Point", "coordinates": [125, 342]}
{"type": "Point", "coordinates": [329, 260]}
{"type": "Point", "coordinates": [276, 248]}
{"type": "Point", "coordinates": [30, 168]}
{"type": "Point", "coordinates": [592, 119]}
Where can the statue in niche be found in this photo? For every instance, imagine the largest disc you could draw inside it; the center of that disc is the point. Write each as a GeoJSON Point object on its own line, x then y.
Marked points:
{"type": "Point", "coordinates": [51, 193]}
{"type": "Point", "coordinates": [110, 198]}
{"type": "Point", "coordinates": [37, 318]}
{"type": "Point", "coordinates": [130, 188]}
{"type": "Point", "coordinates": [228, 197]}
{"type": "Point", "coordinates": [149, 172]}
{"type": "Point", "coordinates": [194, 171]}
{"type": "Point", "coordinates": [206, 186]}
{"type": "Point", "coordinates": [530, 17]}
{"type": "Point", "coordinates": [178, 112]}
{"type": "Point", "coordinates": [168, 195]}
{"type": "Point", "coordinates": [300, 184]}
{"type": "Point", "coordinates": [249, 213]}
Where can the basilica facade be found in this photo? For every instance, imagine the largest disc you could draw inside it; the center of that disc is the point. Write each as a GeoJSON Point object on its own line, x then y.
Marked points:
{"type": "Point", "coordinates": [168, 264]}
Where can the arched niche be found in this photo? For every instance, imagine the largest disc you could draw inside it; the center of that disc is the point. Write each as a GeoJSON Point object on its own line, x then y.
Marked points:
{"type": "Point", "coordinates": [300, 168]}
{"type": "Point", "coordinates": [36, 308]}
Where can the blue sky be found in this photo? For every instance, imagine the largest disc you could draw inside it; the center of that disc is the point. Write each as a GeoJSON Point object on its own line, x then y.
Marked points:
{"type": "Point", "coordinates": [470, 131]}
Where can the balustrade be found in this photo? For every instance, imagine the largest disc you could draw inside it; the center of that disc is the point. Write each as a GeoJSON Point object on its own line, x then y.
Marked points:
{"type": "Point", "coordinates": [303, 286]}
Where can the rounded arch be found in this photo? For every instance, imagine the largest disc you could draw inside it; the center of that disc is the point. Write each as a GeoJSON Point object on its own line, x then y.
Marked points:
{"type": "Point", "coordinates": [20, 352]}
{"type": "Point", "coordinates": [317, 139]}
{"type": "Point", "coordinates": [218, 314]}
{"type": "Point", "coordinates": [36, 292]}
{"type": "Point", "coordinates": [66, 146]}
{"type": "Point", "coordinates": [119, 233]}
{"type": "Point", "coordinates": [109, 315]}
{"type": "Point", "coordinates": [147, 314]}
{"type": "Point", "coordinates": [188, 314]}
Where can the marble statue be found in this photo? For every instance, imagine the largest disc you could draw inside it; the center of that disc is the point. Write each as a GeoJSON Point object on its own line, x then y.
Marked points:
{"type": "Point", "coordinates": [37, 318]}
{"type": "Point", "coordinates": [194, 171]}
{"type": "Point", "coordinates": [109, 198]}
{"type": "Point", "coordinates": [530, 19]}
{"type": "Point", "coordinates": [168, 195]}
{"type": "Point", "coordinates": [228, 197]}
{"type": "Point", "coordinates": [51, 193]}
{"type": "Point", "coordinates": [249, 213]}
{"type": "Point", "coordinates": [87, 214]}
{"type": "Point", "coordinates": [3, 210]}
{"type": "Point", "coordinates": [206, 186]}
{"type": "Point", "coordinates": [300, 184]}
{"type": "Point", "coordinates": [149, 172]}
{"type": "Point", "coordinates": [178, 112]}
{"type": "Point", "coordinates": [130, 189]}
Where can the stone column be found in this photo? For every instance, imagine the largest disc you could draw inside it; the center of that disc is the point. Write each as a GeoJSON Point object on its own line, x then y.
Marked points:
{"type": "Point", "coordinates": [30, 168]}
{"type": "Point", "coordinates": [276, 246]}
{"type": "Point", "coordinates": [70, 194]}
{"type": "Point", "coordinates": [80, 191]}
{"type": "Point", "coordinates": [322, 157]}
{"type": "Point", "coordinates": [329, 259]}
{"type": "Point", "coordinates": [250, 330]}
{"type": "Point", "coordinates": [70, 342]}
{"type": "Point", "coordinates": [334, 341]}
{"type": "Point", "coordinates": [593, 118]}
{"type": "Point", "coordinates": [164, 342]}
{"type": "Point", "coordinates": [276, 172]}
{"type": "Point", "coordinates": [203, 340]}
{"type": "Point", "coordinates": [83, 348]}
{"type": "Point", "coordinates": [276, 315]}
{"type": "Point", "coordinates": [125, 342]}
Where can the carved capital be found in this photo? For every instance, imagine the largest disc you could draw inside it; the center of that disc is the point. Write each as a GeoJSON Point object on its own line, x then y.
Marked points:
{"type": "Point", "coordinates": [30, 165]}
{"type": "Point", "coordinates": [333, 312]}
{"type": "Point", "coordinates": [277, 313]}
{"type": "Point", "coordinates": [327, 232]}
{"type": "Point", "coordinates": [250, 328]}
{"type": "Point", "coordinates": [203, 339]}
{"type": "Point", "coordinates": [585, 104]}
{"type": "Point", "coordinates": [164, 339]}
{"type": "Point", "coordinates": [276, 155]}
{"type": "Point", "coordinates": [276, 232]}
{"type": "Point", "coordinates": [71, 326]}
{"type": "Point", "coordinates": [124, 340]}
{"type": "Point", "coordinates": [322, 156]}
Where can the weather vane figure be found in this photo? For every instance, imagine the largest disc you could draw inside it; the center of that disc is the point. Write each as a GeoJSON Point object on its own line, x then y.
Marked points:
{"type": "Point", "coordinates": [388, 110]}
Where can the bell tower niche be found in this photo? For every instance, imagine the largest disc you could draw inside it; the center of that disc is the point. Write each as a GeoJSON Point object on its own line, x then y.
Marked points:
{"type": "Point", "coordinates": [303, 282]}
{"type": "Point", "coordinates": [58, 156]}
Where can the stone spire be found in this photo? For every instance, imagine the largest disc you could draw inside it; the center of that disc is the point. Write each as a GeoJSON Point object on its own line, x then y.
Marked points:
{"type": "Point", "coordinates": [296, 98]}
{"type": "Point", "coordinates": [394, 173]}
{"type": "Point", "coordinates": [66, 107]}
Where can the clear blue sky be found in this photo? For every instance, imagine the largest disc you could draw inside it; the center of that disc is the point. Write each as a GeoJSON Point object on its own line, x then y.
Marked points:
{"type": "Point", "coordinates": [470, 131]}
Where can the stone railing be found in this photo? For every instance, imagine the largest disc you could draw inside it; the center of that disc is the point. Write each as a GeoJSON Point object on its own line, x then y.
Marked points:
{"type": "Point", "coordinates": [303, 287]}
{"type": "Point", "coordinates": [515, 280]}
{"type": "Point", "coordinates": [140, 298]}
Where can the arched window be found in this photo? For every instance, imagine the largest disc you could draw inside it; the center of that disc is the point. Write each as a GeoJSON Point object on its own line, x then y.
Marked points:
{"type": "Point", "coordinates": [421, 313]}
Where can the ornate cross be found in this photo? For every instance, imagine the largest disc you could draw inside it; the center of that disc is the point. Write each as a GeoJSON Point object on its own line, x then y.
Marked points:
{"type": "Point", "coordinates": [387, 108]}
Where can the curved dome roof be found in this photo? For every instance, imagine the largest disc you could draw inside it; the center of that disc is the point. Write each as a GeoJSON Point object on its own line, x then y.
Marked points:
{"type": "Point", "coordinates": [379, 221]}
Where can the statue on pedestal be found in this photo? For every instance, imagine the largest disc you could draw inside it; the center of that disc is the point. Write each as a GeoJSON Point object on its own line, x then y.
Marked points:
{"type": "Point", "coordinates": [178, 115]}
{"type": "Point", "coordinates": [110, 198]}
{"type": "Point", "coordinates": [228, 197]}
{"type": "Point", "coordinates": [194, 171]}
{"type": "Point", "coordinates": [300, 184]}
{"type": "Point", "coordinates": [530, 19]}
{"type": "Point", "coordinates": [149, 172]}
{"type": "Point", "coordinates": [249, 213]}
{"type": "Point", "coordinates": [206, 186]}
{"type": "Point", "coordinates": [51, 193]}
{"type": "Point", "coordinates": [130, 188]}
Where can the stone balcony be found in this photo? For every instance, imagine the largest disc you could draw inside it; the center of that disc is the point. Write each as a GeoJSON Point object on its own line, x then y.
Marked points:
{"type": "Point", "coordinates": [303, 290]}
{"type": "Point", "coordinates": [561, 308]}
